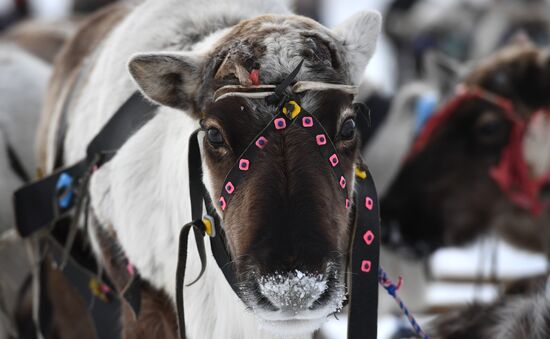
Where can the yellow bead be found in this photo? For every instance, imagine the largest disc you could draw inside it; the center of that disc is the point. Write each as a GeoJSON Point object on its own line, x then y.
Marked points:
{"type": "Point", "coordinates": [96, 291]}
{"type": "Point", "coordinates": [207, 226]}
{"type": "Point", "coordinates": [360, 173]}
{"type": "Point", "coordinates": [295, 111]}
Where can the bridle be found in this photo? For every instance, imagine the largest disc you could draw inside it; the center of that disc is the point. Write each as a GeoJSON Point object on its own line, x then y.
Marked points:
{"type": "Point", "coordinates": [512, 173]}
{"type": "Point", "coordinates": [364, 244]}
{"type": "Point", "coordinates": [40, 205]}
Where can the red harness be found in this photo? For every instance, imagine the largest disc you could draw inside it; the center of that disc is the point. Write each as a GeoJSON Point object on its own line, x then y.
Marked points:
{"type": "Point", "coordinates": [512, 173]}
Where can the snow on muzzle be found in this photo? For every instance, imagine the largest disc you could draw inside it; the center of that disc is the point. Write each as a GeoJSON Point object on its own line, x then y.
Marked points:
{"type": "Point", "coordinates": [297, 295]}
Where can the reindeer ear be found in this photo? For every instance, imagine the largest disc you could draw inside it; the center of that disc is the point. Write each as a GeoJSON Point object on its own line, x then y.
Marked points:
{"type": "Point", "coordinates": [170, 79]}
{"type": "Point", "coordinates": [359, 35]}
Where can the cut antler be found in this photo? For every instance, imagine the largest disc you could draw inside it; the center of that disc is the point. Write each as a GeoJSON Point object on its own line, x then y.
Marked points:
{"type": "Point", "coordinates": [302, 86]}
{"type": "Point", "coordinates": [260, 91]}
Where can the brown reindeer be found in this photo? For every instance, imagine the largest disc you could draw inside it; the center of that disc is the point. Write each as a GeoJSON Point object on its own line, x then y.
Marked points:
{"type": "Point", "coordinates": [480, 164]}
{"type": "Point", "coordinates": [461, 179]}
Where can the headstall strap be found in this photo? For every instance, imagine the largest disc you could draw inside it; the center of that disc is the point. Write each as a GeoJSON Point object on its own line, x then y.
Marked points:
{"type": "Point", "coordinates": [364, 258]}
{"type": "Point", "coordinates": [513, 174]}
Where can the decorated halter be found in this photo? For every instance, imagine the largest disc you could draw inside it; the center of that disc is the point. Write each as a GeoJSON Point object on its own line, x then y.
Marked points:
{"type": "Point", "coordinates": [364, 241]}
{"type": "Point", "coordinates": [512, 174]}
{"type": "Point", "coordinates": [290, 114]}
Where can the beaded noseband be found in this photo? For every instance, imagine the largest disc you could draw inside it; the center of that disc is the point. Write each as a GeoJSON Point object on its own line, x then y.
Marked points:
{"type": "Point", "coordinates": [290, 114]}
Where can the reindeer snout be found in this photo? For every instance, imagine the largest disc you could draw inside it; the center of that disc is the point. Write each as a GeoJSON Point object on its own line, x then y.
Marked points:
{"type": "Point", "coordinates": [293, 292]}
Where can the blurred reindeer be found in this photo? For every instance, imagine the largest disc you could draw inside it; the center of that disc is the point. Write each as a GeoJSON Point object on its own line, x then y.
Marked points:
{"type": "Point", "coordinates": [480, 164]}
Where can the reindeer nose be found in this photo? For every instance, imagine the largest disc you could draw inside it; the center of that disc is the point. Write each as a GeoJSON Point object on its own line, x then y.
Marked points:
{"type": "Point", "coordinates": [290, 262]}
{"type": "Point", "coordinates": [293, 292]}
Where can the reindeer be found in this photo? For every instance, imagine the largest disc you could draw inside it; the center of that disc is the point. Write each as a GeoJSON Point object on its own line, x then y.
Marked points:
{"type": "Point", "coordinates": [287, 223]}
{"type": "Point", "coordinates": [451, 189]}
{"type": "Point", "coordinates": [456, 183]}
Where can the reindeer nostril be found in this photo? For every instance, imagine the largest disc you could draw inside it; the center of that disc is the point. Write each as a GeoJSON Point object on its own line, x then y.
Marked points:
{"type": "Point", "coordinates": [291, 261]}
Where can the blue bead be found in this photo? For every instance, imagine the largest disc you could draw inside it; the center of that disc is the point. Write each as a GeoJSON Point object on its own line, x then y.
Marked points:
{"type": "Point", "coordinates": [65, 182]}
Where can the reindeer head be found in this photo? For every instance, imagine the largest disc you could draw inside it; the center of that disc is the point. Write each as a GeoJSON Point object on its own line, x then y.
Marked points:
{"type": "Point", "coordinates": [287, 224]}
{"type": "Point", "coordinates": [451, 188]}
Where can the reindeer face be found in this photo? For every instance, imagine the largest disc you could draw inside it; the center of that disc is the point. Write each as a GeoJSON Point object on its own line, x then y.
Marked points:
{"type": "Point", "coordinates": [287, 216]}
{"type": "Point", "coordinates": [287, 224]}
{"type": "Point", "coordinates": [447, 193]}
{"type": "Point", "coordinates": [442, 193]}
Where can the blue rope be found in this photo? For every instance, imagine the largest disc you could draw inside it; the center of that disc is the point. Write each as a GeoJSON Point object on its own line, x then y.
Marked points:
{"type": "Point", "coordinates": [392, 289]}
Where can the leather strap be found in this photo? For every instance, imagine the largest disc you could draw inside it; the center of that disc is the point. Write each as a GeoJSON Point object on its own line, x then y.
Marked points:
{"type": "Point", "coordinates": [365, 252]}
{"type": "Point", "coordinates": [97, 293]}
{"type": "Point", "coordinates": [35, 203]}
{"type": "Point", "coordinates": [38, 208]}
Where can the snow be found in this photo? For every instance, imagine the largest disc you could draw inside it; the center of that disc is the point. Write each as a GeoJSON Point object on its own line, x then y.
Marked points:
{"type": "Point", "coordinates": [445, 294]}
{"type": "Point", "coordinates": [295, 291]}
{"type": "Point", "coordinates": [485, 257]}
{"type": "Point", "coordinates": [50, 9]}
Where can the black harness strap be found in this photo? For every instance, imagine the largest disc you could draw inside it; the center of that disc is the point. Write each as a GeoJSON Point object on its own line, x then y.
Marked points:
{"type": "Point", "coordinates": [197, 190]}
{"type": "Point", "coordinates": [43, 204]}
{"type": "Point", "coordinates": [96, 292]}
{"type": "Point", "coordinates": [130, 117]}
{"type": "Point", "coordinates": [180, 271]}
{"type": "Point", "coordinates": [33, 202]}
{"type": "Point", "coordinates": [365, 252]}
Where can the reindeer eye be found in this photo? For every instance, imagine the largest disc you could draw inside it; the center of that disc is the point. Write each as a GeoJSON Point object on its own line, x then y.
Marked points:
{"type": "Point", "coordinates": [214, 137]}
{"type": "Point", "coordinates": [490, 129]}
{"type": "Point", "coordinates": [348, 129]}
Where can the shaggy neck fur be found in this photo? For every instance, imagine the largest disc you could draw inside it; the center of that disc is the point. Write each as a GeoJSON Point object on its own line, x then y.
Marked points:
{"type": "Point", "coordinates": [143, 191]}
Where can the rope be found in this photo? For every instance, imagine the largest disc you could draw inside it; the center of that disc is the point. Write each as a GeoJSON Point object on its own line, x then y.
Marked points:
{"type": "Point", "coordinates": [82, 204]}
{"type": "Point", "coordinates": [392, 289]}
